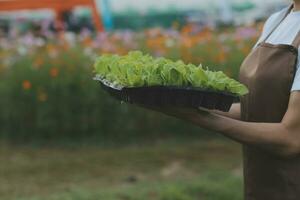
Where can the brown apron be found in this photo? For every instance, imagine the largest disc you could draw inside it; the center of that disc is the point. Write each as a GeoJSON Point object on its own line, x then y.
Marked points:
{"type": "Point", "coordinates": [268, 72]}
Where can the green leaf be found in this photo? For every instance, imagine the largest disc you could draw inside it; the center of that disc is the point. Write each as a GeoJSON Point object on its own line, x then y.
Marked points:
{"type": "Point", "coordinates": [136, 69]}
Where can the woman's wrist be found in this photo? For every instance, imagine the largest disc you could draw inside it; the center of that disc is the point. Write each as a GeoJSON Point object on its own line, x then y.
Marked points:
{"type": "Point", "coordinates": [202, 118]}
{"type": "Point", "coordinates": [211, 121]}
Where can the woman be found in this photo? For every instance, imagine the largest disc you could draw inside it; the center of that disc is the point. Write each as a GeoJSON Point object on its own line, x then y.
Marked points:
{"type": "Point", "coordinates": [267, 121]}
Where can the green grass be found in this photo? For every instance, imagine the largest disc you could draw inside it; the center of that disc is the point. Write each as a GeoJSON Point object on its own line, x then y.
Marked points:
{"type": "Point", "coordinates": [194, 170]}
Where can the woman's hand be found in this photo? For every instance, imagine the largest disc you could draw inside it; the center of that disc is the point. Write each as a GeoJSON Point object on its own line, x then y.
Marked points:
{"type": "Point", "coordinates": [281, 138]}
{"type": "Point", "coordinates": [198, 116]}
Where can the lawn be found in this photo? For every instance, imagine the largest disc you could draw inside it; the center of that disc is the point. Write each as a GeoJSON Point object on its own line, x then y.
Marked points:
{"type": "Point", "coordinates": [190, 170]}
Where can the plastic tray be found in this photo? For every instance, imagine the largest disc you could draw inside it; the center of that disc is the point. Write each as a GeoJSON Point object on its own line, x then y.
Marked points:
{"type": "Point", "coordinates": [176, 96]}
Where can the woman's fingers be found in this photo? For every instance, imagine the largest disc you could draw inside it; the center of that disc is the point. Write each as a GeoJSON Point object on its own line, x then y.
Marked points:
{"type": "Point", "coordinates": [173, 110]}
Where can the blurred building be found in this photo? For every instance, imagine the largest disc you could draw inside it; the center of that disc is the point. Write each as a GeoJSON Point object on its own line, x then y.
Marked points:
{"type": "Point", "coordinates": [218, 11]}
{"type": "Point", "coordinates": [63, 13]}
{"type": "Point", "coordinates": [139, 14]}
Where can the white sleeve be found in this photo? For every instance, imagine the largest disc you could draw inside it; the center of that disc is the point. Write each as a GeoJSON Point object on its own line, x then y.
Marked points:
{"type": "Point", "coordinates": [296, 83]}
{"type": "Point", "coordinates": [268, 26]}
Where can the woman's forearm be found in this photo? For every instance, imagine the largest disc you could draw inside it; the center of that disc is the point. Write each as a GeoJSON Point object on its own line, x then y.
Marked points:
{"type": "Point", "coordinates": [273, 137]}
{"type": "Point", "coordinates": [279, 138]}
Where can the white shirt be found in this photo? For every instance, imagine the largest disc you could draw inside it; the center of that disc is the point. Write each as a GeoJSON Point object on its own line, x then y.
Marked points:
{"type": "Point", "coordinates": [285, 33]}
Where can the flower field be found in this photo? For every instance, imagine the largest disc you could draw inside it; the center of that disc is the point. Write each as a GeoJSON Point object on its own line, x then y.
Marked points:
{"type": "Point", "coordinates": [47, 91]}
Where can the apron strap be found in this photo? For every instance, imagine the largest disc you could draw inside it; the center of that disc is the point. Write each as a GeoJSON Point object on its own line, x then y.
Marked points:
{"type": "Point", "coordinates": [296, 42]}
{"type": "Point", "coordinates": [281, 20]}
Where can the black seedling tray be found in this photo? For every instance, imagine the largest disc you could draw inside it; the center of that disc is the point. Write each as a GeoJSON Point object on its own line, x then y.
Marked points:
{"type": "Point", "coordinates": [175, 96]}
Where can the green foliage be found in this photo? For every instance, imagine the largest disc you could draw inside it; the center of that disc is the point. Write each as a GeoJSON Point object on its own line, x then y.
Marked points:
{"type": "Point", "coordinates": [48, 94]}
{"type": "Point", "coordinates": [55, 100]}
{"type": "Point", "coordinates": [136, 69]}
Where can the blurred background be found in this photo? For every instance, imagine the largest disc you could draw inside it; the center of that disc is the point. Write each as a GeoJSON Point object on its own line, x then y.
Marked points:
{"type": "Point", "coordinates": [63, 138]}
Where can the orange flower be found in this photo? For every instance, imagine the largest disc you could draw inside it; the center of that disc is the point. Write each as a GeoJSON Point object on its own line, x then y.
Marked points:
{"type": "Point", "coordinates": [246, 50]}
{"type": "Point", "coordinates": [26, 85]}
{"type": "Point", "coordinates": [37, 63]}
{"type": "Point", "coordinates": [228, 72]}
{"type": "Point", "coordinates": [42, 97]}
{"type": "Point", "coordinates": [65, 46]}
{"type": "Point", "coordinates": [221, 57]}
{"type": "Point", "coordinates": [50, 48]}
{"type": "Point", "coordinates": [53, 72]}
{"type": "Point", "coordinates": [88, 41]}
